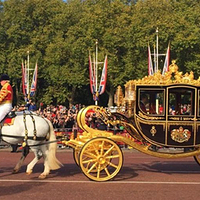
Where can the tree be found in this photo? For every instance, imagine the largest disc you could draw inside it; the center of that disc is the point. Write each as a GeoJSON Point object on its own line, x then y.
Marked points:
{"type": "Point", "coordinates": [28, 26]}
{"type": "Point", "coordinates": [60, 35]}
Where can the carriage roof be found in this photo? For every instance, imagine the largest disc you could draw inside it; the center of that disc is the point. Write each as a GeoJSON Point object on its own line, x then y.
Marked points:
{"type": "Point", "coordinates": [173, 76]}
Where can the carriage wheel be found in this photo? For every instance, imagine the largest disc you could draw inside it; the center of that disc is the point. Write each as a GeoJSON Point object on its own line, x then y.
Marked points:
{"type": "Point", "coordinates": [197, 159]}
{"type": "Point", "coordinates": [100, 159]}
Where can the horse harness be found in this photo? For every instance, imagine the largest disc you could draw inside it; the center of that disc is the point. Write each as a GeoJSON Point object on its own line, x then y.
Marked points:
{"type": "Point", "coordinates": [11, 115]}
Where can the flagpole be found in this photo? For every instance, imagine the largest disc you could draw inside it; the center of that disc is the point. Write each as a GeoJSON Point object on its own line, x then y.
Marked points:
{"type": "Point", "coordinates": [96, 73]}
{"type": "Point", "coordinates": [157, 49]}
{"type": "Point", "coordinates": [154, 56]}
{"type": "Point", "coordinates": [28, 75]}
{"type": "Point", "coordinates": [97, 89]}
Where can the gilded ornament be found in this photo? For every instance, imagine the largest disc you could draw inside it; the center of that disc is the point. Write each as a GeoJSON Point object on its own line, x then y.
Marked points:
{"type": "Point", "coordinates": [180, 135]}
{"type": "Point", "coordinates": [170, 77]}
{"type": "Point", "coordinates": [149, 117]}
{"type": "Point", "coordinates": [153, 131]}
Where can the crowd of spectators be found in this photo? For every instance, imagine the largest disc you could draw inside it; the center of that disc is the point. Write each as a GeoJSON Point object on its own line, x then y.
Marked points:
{"type": "Point", "coordinates": [60, 116]}
{"type": "Point", "coordinates": [64, 118]}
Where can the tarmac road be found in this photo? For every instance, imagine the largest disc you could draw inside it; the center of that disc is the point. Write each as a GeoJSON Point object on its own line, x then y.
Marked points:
{"type": "Point", "coordinates": [142, 177]}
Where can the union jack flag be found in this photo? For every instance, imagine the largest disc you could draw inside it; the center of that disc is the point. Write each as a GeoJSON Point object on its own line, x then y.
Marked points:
{"type": "Point", "coordinates": [102, 85]}
{"type": "Point", "coordinates": [166, 63]}
{"type": "Point", "coordinates": [24, 80]}
{"type": "Point", "coordinates": [34, 81]}
{"type": "Point", "coordinates": [150, 65]}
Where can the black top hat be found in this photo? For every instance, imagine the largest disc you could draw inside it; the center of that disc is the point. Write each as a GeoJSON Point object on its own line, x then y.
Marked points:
{"type": "Point", "coordinates": [4, 77]}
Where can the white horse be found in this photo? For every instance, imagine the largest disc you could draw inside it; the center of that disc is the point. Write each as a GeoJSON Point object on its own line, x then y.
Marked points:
{"type": "Point", "coordinates": [37, 133]}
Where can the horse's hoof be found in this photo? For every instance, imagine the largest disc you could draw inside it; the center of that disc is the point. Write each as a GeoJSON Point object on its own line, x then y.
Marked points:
{"type": "Point", "coordinates": [42, 176]}
{"type": "Point", "coordinates": [15, 171]}
{"type": "Point", "coordinates": [28, 173]}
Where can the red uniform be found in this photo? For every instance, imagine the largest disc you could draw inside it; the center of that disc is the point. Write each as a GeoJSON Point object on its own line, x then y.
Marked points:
{"type": "Point", "coordinates": [6, 94]}
{"type": "Point", "coordinates": [6, 97]}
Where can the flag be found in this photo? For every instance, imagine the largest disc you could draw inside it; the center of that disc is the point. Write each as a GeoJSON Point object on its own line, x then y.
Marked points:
{"type": "Point", "coordinates": [102, 85]}
{"type": "Point", "coordinates": [150, 64]}
{"type": "Point", "coordinates": [166, 63]}
{"type": "Point", "coordinates": [24, 80]}
{"type": "Point", "coordinates": [92, 80]}
{"type": "Point", "coordinates": [34, 81]}
{"type": "Point", "coordinates": [94, 75]}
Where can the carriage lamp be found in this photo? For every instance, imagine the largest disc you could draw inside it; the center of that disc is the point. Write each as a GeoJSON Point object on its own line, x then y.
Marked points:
{"type": "Point", "coordinates": [119, 96]}
{"type": "Point", "coordinates": [130, 97]}
{"type": "Point", "coordinates": [130, 91]}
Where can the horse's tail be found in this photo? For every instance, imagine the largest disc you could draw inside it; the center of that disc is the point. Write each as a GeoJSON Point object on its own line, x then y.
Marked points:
{"type": "Point", "coordinates": [53, 162]}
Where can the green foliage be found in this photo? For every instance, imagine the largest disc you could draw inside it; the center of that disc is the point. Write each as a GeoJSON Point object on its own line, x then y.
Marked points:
{"type": "Point", "coordinates": [60, 35]}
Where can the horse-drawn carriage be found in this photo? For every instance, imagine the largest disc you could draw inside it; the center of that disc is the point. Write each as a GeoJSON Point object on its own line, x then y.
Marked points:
{"type": "Point", "coordinates": [162, 112]}
{"type": "Point", "coordinates": [169, 119]}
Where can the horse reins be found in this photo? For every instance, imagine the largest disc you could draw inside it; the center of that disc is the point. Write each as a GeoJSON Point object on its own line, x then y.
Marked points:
{"type": "Point", "coordinates": [26, 130]}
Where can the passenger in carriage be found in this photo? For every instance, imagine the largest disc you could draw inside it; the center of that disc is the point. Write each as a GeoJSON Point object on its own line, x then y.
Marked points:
{"type": "Point", "coordinates": [143, 102]}
{"type": "Point", "coordinates": [6, 96]}
{"type": "Point", "coordinates": [171, 111]}
{"type": "Point", "coordinates": [160, 109]}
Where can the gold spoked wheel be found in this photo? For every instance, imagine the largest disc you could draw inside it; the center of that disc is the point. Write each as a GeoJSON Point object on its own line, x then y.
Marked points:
{"type": "Point", "coordinates": [197, 159]}
{"type": "Point", "coordinates": [100, 159]}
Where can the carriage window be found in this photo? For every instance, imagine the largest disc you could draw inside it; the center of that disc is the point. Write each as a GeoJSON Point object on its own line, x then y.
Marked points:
{"type": "Point", "coordinates": [151, 101]}
{"type": "Point", "coordinates": [181, 101]}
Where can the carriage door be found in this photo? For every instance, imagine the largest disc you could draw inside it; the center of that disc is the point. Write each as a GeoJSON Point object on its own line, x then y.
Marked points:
{"type": "Point", "coordinates": [181, 123]}
{"type": "Point", "coordinates": [150, 114]}
{"type": "Point", "coordinates": [198, 120]}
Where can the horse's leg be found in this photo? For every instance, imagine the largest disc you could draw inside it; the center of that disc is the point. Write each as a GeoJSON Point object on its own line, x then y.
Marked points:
{"type": "Point", "coordinates": [25, 152]}
{"type": "Point", "coordinates": [46, 171]}
{"type": "Point", "coordinates": [38, 155]}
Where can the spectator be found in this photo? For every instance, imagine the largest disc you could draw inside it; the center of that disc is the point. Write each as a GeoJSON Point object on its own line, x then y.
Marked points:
{"type": "Point", "coordinates": [32, 107]}
{"type": "Point", "coordinates": [28, 104]}
{"type": "Point", "coordinates": [21, 108]}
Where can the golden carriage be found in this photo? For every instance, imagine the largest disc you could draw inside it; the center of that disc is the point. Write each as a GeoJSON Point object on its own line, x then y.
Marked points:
{"type": "Point", "coordinates": [168, 126]}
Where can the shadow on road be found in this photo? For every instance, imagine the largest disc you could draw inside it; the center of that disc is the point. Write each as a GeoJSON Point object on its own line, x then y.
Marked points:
{"type": "Point", "coordinates": [18, 188]}
{"type": "Point", "coordinates": [125, 174]}
{"type": "Point", "coordinates": [171, 167]}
